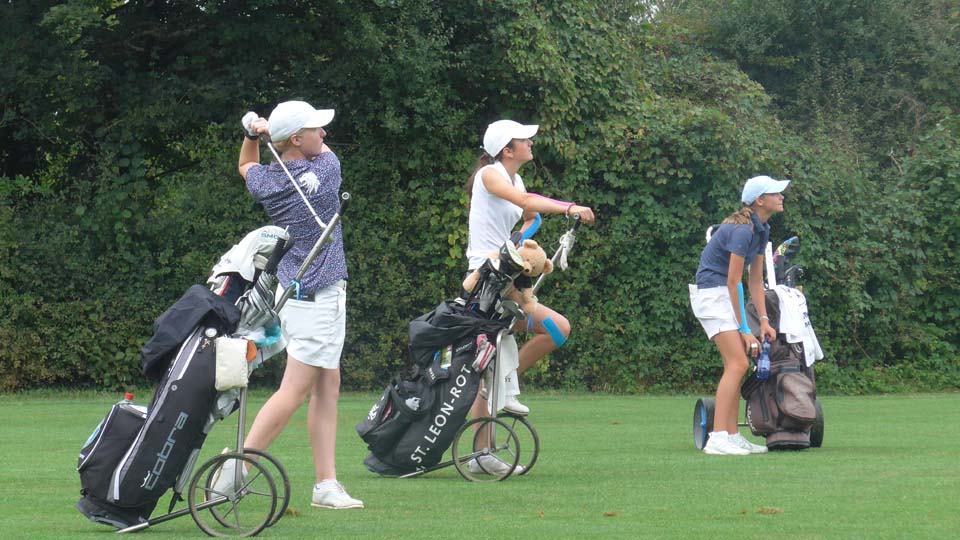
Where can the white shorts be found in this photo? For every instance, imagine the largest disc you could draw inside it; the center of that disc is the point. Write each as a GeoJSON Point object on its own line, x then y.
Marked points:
{"type": "Point", "coordinates": [713, 309]}
{"type": "Point", "coordinates": [315, 329]}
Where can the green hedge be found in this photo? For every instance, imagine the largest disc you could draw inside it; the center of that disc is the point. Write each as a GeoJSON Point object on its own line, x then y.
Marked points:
{"type": "Point", "coordinates": [120, 187]}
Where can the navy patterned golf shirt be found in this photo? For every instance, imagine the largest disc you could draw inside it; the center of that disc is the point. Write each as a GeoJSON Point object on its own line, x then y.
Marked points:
{"type": "Point", "coordinates": [320, 180]}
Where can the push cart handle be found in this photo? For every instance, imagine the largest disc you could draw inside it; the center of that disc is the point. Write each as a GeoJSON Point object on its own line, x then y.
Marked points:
{"type": "Point", "coordinates": [570, 234]}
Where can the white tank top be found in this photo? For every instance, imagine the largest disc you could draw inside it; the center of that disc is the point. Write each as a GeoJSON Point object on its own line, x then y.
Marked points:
{"type": "Point", "coordinates": [492, 219]}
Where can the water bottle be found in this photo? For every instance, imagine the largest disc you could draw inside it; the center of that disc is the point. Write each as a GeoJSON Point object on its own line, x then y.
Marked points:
{"type": "Point", "coordinates": [763, 361]}
{"type": "Point", "coordinates": [127, 405]}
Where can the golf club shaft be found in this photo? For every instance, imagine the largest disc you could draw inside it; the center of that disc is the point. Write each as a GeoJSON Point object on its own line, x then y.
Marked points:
{"type": "Point", "coordinates": [327, 231]}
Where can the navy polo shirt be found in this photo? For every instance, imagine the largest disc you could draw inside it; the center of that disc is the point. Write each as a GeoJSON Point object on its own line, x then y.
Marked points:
{"type": "Point", "coordinates": [747, 241]}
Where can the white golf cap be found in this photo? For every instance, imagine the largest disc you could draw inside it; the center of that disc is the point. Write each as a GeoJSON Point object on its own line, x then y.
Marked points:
{"type": "Point", "coordinates": [290, 117]}
{"type": "Point", "coordinates": [759, 185]}
{"type": "Point", "coordinates": [501, 132]}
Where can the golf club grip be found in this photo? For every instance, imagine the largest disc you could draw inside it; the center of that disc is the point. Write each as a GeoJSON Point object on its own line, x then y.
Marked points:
{"type": "Point", "coordinates": [576, 222]}
{"type": "Point", "coordinates": [344, 202]}
{"type": "Point", "coordinates": [278, 251]}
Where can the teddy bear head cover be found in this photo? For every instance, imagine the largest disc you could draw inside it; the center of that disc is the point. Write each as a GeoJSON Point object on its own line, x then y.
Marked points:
{"type": "Point", "coordinates": [535, 261]}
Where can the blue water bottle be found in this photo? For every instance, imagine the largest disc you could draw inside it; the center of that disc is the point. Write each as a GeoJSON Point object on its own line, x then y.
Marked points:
{"type": "Point", "coordinates": [763, 362]}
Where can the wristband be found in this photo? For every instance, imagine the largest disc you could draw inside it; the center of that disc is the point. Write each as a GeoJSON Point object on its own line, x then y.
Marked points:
{"type": "Point", "coordinates": [571, 205]}
{"type": "Point", "coordinates": [253, 137]}
{"type": "Point", "coordinates": [764, 318]}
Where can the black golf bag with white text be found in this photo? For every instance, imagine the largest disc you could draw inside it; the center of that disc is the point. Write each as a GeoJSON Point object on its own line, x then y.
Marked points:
{"type": "Point", "coordinates": [156, 447]}
{"type": "Point", "coordinates": [137, 454]}
{"type": "Point", "coordinates": [414, 421]}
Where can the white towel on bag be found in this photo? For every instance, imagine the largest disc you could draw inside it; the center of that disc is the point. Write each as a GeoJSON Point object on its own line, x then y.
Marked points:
{"type": "Point", "coordinates": [795, 322]}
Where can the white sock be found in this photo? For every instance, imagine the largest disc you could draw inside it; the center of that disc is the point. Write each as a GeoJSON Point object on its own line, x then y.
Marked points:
{"type": "Point", "coordinates": [327, 483]}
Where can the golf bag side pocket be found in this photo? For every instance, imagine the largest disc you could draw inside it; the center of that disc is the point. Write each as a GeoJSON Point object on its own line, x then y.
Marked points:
{"type": "Point", "coordinates": [761, 406]}
{"type": "Point", "coordinates": [795, 400]}
{"type": "Point", "coordinates": [106, 447]}
{"type": "Point", "coordinates": [402, 402]}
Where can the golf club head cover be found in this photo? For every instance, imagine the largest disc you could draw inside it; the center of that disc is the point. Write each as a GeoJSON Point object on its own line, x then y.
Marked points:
{"type": "Point", "coordinates": [511, 263]}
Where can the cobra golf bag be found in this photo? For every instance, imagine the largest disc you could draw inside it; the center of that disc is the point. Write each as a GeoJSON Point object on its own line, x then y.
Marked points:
{"type": "Point", "coordinates": [414, 421]}
{"type": "Point", "coordinates": [783, 408]}
{"type": "Point", "coordinates": [136, 454]}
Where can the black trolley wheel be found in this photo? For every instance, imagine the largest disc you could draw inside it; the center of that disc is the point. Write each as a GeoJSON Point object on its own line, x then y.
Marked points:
{"type": "Point", "coordinates": [242, 514]}
{"type": "Point", "coordinates": [816, 430]}
{"type": "Point", "coordinates": [702, 421]}
{"type": "Point", "coordinates": [529, 439]}
{"type": "Point", "coordinates": [280, 478]}
{"type": "Point", "coordinates": [492, 437]}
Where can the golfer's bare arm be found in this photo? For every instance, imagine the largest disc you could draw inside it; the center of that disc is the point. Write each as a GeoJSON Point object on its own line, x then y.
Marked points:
{"type": "Point", "coordinates": [249, 156]}
{"type": "Point", "coordinates": [755, 282]}
{"type": "Point", "coordinates": [250, 150]}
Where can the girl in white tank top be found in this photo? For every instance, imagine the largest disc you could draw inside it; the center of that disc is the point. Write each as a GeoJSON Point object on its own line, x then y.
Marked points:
{"type": "Point", "coordinates": [498, 201]}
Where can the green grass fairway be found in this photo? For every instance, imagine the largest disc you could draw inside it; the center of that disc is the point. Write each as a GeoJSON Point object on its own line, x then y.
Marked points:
{"type": "Point", "coordinates": [610, 467]}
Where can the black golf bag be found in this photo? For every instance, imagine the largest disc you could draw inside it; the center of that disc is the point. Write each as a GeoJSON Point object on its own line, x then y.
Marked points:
{"type": "Point", "coordinates": [136, 454]}
{"type": "Point", "coordinates": [155, 445]}
{"type": "Point", "coordinates": [414, 421]}
{"type": "Point", "coordinates": [783, 407]}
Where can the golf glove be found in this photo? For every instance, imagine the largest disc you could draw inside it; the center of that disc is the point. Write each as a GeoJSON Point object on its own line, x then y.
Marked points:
{"type": "Point", "coordinates": [247, 123]}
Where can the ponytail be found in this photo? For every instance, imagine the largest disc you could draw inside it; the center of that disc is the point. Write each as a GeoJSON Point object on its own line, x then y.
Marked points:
{"type": "Point", "coordinates": [740, 217]}
{"type": "Point", "coordinates": [482, 161]}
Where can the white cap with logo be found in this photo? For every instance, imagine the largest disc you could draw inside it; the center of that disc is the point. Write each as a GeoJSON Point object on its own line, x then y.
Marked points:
{"type": "Point", "coordinates": [290, 117]}
{"type": "Point", "coordinates": [500, 133]}
{"type": "Point", "coordinates": [759, 185]}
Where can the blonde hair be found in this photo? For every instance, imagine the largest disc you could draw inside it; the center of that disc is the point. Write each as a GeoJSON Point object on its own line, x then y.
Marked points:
{"type": "Point", "coordinates": [284, 145]}
{"type": "Point", "coordinates": [740, 217]}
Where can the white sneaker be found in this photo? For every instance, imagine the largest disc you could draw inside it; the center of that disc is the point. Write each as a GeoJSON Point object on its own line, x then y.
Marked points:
{"type": "Point", "coordinates": [224, 479]}
{"type": "Point", "coordinates": [330, 494]}
{"type": "Point", "coordinates": [515, 407]}
{"type": "Point", "coordinates": [742, 442]}
{"type": "Point", "coordinates": [720, 444]}
{"type": "Point", "coordinates": [491, 465]}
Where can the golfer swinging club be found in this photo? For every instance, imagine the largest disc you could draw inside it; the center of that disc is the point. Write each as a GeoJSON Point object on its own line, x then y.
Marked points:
{"type": "Point", "coordinates": [314, 320]}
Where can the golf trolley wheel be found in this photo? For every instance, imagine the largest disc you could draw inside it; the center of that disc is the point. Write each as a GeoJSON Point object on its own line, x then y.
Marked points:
{"type": "Point", "coordinates": [485, 436]}
{"type": "Point", "coordinates": [702, 421]}
{"type": "Point", "coordinates": [280, 478]}
{"type": "Point", "coordinates": [816, 430]}
{"type": "Point", "coordinates": [528, 439]}
{"type": "Point", "coordinates": [244, 513]}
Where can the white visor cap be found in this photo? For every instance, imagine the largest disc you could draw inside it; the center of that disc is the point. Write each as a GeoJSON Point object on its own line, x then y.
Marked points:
{"type": "Point", "coordinates": [290, 117]}
{"type": "Point", "coordinates": [500, 133]}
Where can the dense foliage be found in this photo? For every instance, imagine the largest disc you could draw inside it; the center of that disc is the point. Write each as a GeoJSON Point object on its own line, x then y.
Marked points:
{"type": "Point", "coordinates": [121, 130]}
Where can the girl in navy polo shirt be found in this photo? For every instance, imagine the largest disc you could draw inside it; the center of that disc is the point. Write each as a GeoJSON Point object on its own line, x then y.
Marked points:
{"type": "Point", "coordinates": [739, 241]}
